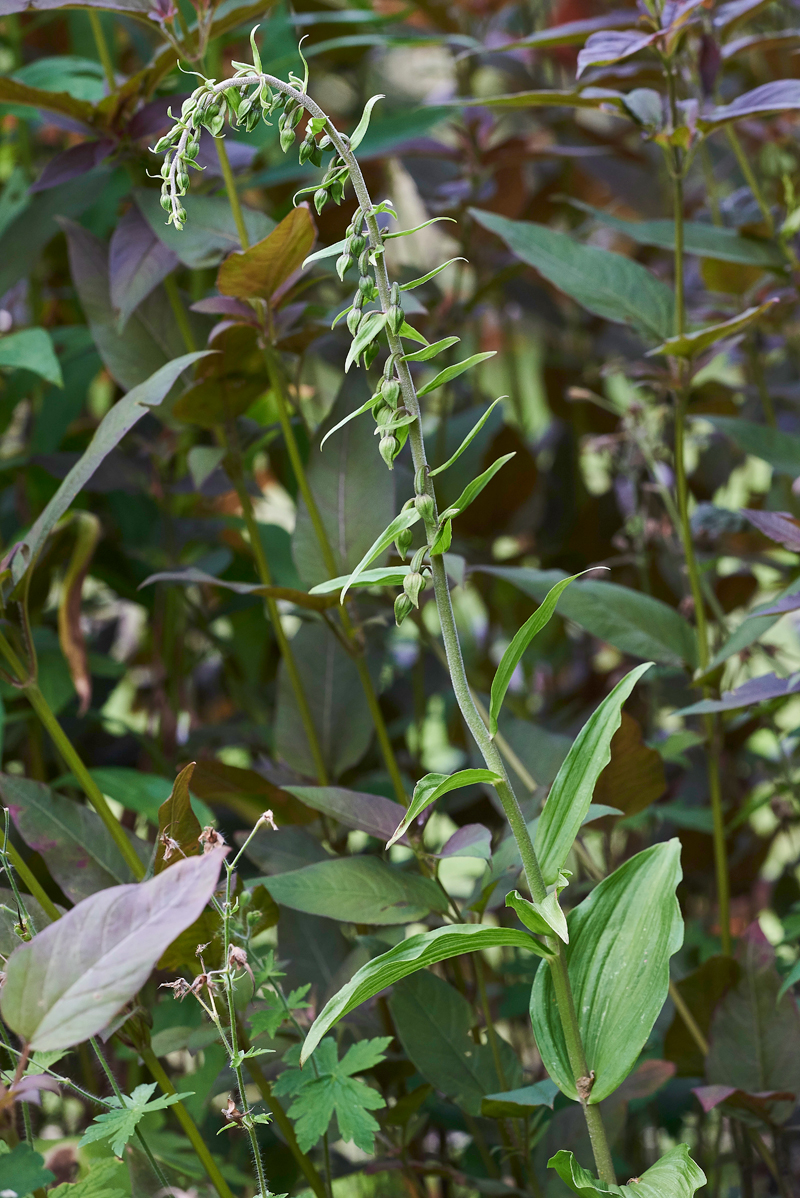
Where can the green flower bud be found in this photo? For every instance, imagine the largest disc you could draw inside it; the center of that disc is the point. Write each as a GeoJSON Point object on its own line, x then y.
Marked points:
{"type": "Point", "coordinates": [166, 201]}
{"type": "Point", "coordinates": [162, 144]}
{"type": "Point", "coordinates": [252, 119]}
{"type": "Point", "coordinates": [216, 125]}
{"type": "Point", "coordinates": [370, 354]}
{"type": "Point", "coordinates": [343, 264]}
{"type": "Point", "coordinates": [402, 608]}
{"type": "Point", "coordinates": [363, 261]}
{"type": "Point", "coordinates": [287, 136]}
{"type": "Point", "coordinates": [358, 245]}
{"type": "Point", "coordinates": [395, 293]}
{"type": "Point", "coordinates": [389, 448]}
{"type": "Point", "coordinates": [390, 390]}
{"type": "Point", "coordinates": [394, 318]}
{"type": "Point", "coordinates": [306, 150]}
{"type": "Point", "coordinates": [383, 416]}
{"type": "Point", "coordinates": [426, 507]}
{"type": "Point", "coordinates": [413, 585]}
{"type": "Point", "coordinates": [353, 320]}
{"type": "Point", "coordinates": [191, 150]}
{"type": "Point", "coordinates": [365, 286]}
{"type": "Point", "coordinates": [320, 198]}
{"type": "Point", "coordinates": [166, 167]}
{"type": "Point", "coordinates": [325, 143]}
{"type": "Point", "coordinates": [337, 191]}
{"type": "Point", "coordinates": [403, 541]}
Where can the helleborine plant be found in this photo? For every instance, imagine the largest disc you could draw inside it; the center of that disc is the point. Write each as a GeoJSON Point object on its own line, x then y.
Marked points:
{"type": "Point", "coordinates": [583, 1004]}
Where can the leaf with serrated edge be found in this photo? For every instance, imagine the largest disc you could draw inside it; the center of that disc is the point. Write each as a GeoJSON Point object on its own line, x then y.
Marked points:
{"type": "Point", "coordinates": [67, 983]}
{"type": "Point", "coordinates": [571, 793]}
{"type": "Point", "coordinates": [432, 787]}
{"type": "Point", "coordinates": [417, 952]}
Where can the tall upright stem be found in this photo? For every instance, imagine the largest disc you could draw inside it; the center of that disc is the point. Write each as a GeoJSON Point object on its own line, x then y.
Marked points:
{"type": "Point", "coordinates": [103, 51]}
{"type": "Point", "coordinates": [682, 488]}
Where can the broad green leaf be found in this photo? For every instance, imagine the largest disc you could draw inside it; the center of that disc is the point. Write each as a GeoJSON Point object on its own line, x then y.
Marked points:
{"type": "Point", "coordinates": [358, 134]}
{"type": "Point", "coordinates": [755, 1034]}
{"type": "Point", "coordinates": [780, 449]}
{"type": "Point", "coordinates": [31, 349]}
{"type": "Point", "coordinates": [452, 372]}
{"type": "Point", "coordinates": [127, 412]}
{"type": "Point", "coordinates": [430, 275]}
{"type": "Point", "coordinates": [386, 576]}
{"type": "Point", "coordinates": [71, 979]}
{"type": "Point", "coordinates": [571, 793]}
{"type": "Point", "coordinates": [518, 1104]}
{"type": "Point", "coordinates": [470, 437]}
{"type": "Point", "coordinates": [210, 233]}
{"type": "Point", "coordinates": [674, 1176]}
{"type": "Point", "coordinates": [259, 271]}
{"type": "Point", "coordinates": [473, 489]}
{"type": "Point", "coordinates": [119, 1124]}
{"type": "Point", "coordinates": [332, 1090]}
{"type": "Point", "coordinates": [633, 622]}
{"type": "Point", "coordinates": [430, 351]}
{"type": "Point", "coordinates": [73, 840]}
{"type": "Point", "coordinates": [353, 497]}
{"type": "Point", "coordinates": [357, 890]}
{"type": "Point", "coordinates": [417, 952]}
{"type": "Point", "coordinates": [336, 700]}
{"type": "Point", "coordinates": [513, 654]}
{"type": "Point", "coordinates": [367, 332]}
{"type": "Point", "coordinates": [406, 519]}
{"type": "Point", "coordinates": [705, 240]}
{"type": "Point", "coordinates": [98, 1182]}
{"type": "Point", "coordinates": [433, 1023]}
{"type": "Point", "coordinates": [431, 788]}
{"type": "Point", "coordinates": [22, 1170]}
{"type": "Point", "coordinates": [609, 285]}
{"type": "Point", "coordinates": [686, 345]}
{"type": "Point", "coordinates": [620, 941]}
{"type": "Point", "coordinates": [418, 228]}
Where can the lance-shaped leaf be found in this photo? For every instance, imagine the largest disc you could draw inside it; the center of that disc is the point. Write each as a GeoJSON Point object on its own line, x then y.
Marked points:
{"type": "Point", "coordinates": [70, 631]}
{"type": "Point", "coordinates": [72, 979]}
{"type": "Point", "coordinates": [571, 793]}
{"type": "Point", "coordinates": [687, 345]}
{"type": "Point", "coordinates": [470, 437]}
{"type": "Point", "coordinates": [518, 1104]}
{"type": "Point", "coordinates": [193, 575]}
{"type": "Point", "coordinates": [432, 787]}
{"type": "Point", "coordinates": [368, 330]}
{"type": "Point", "coordinates": [781, 95]}
{"type": "Point", "coordinates": [755, 690]}
{"type": "Point", "coordinates": [405, 520]}
{"type": "Point", "coordinates": [674, 1176]}
{"type": "Point", "coordinates": [778, 526]}
{"type": "Point", "coordinates": [473, 489]}
{"type": "Point", "coordinates": [112, 428]}
{"type": "Point", "coordinates": [31, 349]}
{"type": "Point", "coordinates": [417, 952]}
{"type": "Point", "coordinates": [513, 654]}
{"type": "Point", "coordinates": [357, 890]}
{"type": "Point", "coordinates": [586, 97]}
{"type": "Point", "coordinates": [620, 941]}
{"type": "Point", "coordinates": [574, 33]}
{"type": "Point", "coordinates": [612, 46]}
{"type": "Point", "coordinates": [328, 251]}
{"type": "Point", "coordinates": [358, 134]}
{"type": "Point", "coordinates": [430, 275]}
{"type": "Point", "coordinates": [418, 228]}
{"type": "Point", "coordinates": [178, 826]}
{"type": "Point", "coordinates": [383, 576]}
{"type": "Point", "coordinates": [369, 813]}
{"type": "Point", "coordinates": [545, 917]}
{"type": "Point", "coordinates": [452, 372]}
{"type": "Point", "coordinates": [609, 285]}
{"type": "Point", "coordinates": [430, 351]}
{"type": "Point", "coordinates": [137, 262]}
{"type": "Point", "coordinates": [259, 271]}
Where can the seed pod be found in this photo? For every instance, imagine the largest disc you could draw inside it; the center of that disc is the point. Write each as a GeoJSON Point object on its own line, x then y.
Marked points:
{"type": "Point", "coordinates": [343, 264]}
{"type": "Point", "coordinates": [394, 318]}
{"type": "Point", "coordinates": [413, 585]}
{"type": "Point", "coordinates": [359, 244]}
{"type": "Point", "coordinates": [402, 608]}
{"type": "Point", "coordinates": [426, 507]}
{"type": "Point", "coordinates": [402, 542]}
{"type": "Point", "coordinates": [353, 320]}
{"type": "Point", "coordinates": [370, 354]}
{"type": "Point", "coordinates": [390, 390]}
{"type": "Point", "coordinates": [320, 198]}
{"type": "Point", "coordinates": [389, 448]}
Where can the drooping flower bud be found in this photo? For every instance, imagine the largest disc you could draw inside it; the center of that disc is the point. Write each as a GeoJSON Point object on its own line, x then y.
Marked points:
{"type": "Point", "coordinates": [426, 507]}
{"type": "Point", "coordinates": [402, 608]}
{"type": "Point", "coordinates": [370, 354]}
{"type": "Point", "coordinates": [389, 448]}
{"type": "Point", "coordinates": [394, 318]}
{"type": "Point", "coordinates": [343, 264]}
{"type": "Point", "coordinates": [320, 199]}
{"type": "Point", "coordinates": [353, 320]}
{"type": "Point", "coordinates": [390, 390]}
{"type": "Point", "coordinates": [414, 585]}
{"type": "Point", "coordinates": [402, 542]}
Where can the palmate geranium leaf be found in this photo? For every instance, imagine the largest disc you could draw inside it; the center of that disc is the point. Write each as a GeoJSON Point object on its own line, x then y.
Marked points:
{"type": "Point", "coordinates": [119, 1124]}
{"type": "Point", "coordinates": [70, 980]}
{"type": "Point", "coordinates": [22, 1170]}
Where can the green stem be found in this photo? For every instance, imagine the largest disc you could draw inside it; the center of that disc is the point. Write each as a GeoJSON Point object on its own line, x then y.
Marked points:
{"type": "Point", "coordinates": [73, 762]}
{"type": "Point", "coordinates": [228, 438]}
{"type": "Point", "coordinates": [750, 178]}
{"type": "Point", "coordinates": [102, 49]}
{"type": "Point", "coordinates": [323, 540]}
{"type": "Point", "coordinates": [180, 313]}
{"type": "Point", "coordinates": [232, 193]}
{"type": "Point", "coordinates": [187, 1123]}
{"type": "Point", "coordinates": [145, 1147]}
{"type": "Point", "coordinates": [682, 487]}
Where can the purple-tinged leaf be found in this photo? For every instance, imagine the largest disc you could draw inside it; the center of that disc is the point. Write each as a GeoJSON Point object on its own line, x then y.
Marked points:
{"type": "Point", "coordinates": [13, 91]}
{"type": "Point", "coordinates": [782, 95]}
{"type": "Point", "coordinates": [153, 120]}
{"type": "Point", "coordinates": [473, 840]}
{"type": "Point", "coordinates": [574, 33]}
{"type": "Point", "coordinates": [756, 690]}
{"type": "Point", "coordinates": [73, 978]}
{"type": "Point", "coordinates": [130, 6]}
{"type": "Point", "coordinates": [778, 526]}
{"type": "Point", "coordinates": [612, 46]}
{"type": "Point", "coordinates": [372, 814]}
{"type": "Point", "coordinates": [728, 15]}
{"type": "Point", "coordinates": [69, 164]}
{"type": "Point", "coordinates": [225, 305]}
{"type": "Point", "coordinates": [240, 155]}
{"type": "Point", "coordinates": [755, 1104]}
{"type": "Point", "coordinates": [137, 262]}
{"type": "Point", "coordinates": [787, 603]}
{"type": "Point", "coordinates": [193, 575]}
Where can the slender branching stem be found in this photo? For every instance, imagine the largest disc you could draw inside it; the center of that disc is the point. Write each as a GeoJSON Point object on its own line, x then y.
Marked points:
{"type": "Point", "coordinates": [103, 51]}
